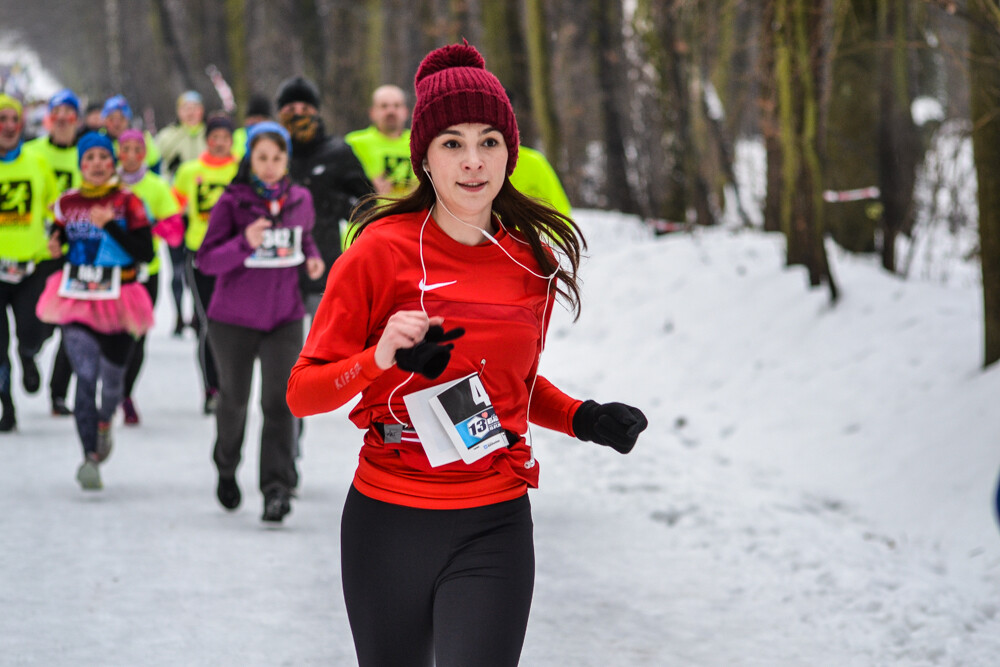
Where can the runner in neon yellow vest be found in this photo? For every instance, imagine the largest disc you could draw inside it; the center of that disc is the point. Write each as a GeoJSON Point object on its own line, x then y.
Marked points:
{"type": "Point", "coordinates": [59, 146]}
{"type": "Point", "coordinates": [383, 148]}
{"type": "Point", "coordinates": [199, 184]}
{"type": "Point", "coordinates": [59, 149]}
{"type": "Point", "coordinates": [164, 213]}
{"type": "Point", "coordinates": [27, 188]}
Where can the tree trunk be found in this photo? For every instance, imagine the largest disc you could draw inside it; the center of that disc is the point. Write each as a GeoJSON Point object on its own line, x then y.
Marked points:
{"type": "Point", "coordinates": [984, 63]}
{"type": "Point", "coordinates": [796, 68]}
{"type": "Point", "coordinates": [607, 47]}
{"type": "Point", "coordinates": [657, 25]}
{"type": "Point", "coordinates": [236, 47]}
{"type": "Point", "coordinates": [769, 121]}
{"type": "Point", "coordinates": [851, 150]}
{"type": "Point", "coordinates": [505, 50]}
{"type": "Point", "coordinates": [540, 79]}
{"type": "Point", "coordinates": [112, 19]}
{"type": "Point", "coordinates": [897, 135]}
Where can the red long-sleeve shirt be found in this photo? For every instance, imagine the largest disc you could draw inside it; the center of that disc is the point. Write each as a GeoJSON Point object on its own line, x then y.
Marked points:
{"type": "Point", "coordinates": [504, 310]}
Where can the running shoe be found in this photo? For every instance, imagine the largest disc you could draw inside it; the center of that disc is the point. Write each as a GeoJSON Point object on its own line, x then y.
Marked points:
{"type": "Point", "coordinates": [29, 375]}
{"type": "Point", "coordinates": [277, 504]}
{"type": "Point", "coordinates": [88, 474]}
{"type": "Point", "coordinates": [8, 421]}
{"type": "Point", "coordinates": [59, 407]}
{"type": "Point", "coordinates": [131, 416]}
{"type": "Point", "coordinates": [228, 493]}
{"type": "Point", "coordinates": [211, 401]}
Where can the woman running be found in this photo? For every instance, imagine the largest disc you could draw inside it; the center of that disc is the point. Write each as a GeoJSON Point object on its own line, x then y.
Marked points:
{"type": "Point", "coordinates": [258, 234]}
{"type": "Point", "coordinates": [437, 316]}
{"type": "Point", "coordinates": [96, 299]}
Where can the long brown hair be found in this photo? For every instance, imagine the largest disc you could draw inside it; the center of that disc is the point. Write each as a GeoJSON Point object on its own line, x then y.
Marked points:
{"type": "Point", "coordinates": [526, 216]}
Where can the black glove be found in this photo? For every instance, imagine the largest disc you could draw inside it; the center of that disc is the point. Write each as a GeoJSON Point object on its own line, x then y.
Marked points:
{"type": "Point", "coordinates": [614, 425]}
{"type": "Point", "coordinates": [428, 357]}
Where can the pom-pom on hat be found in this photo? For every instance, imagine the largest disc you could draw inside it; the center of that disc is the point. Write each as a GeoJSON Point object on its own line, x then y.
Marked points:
{"type": "Point", "coordinates": [453, 86]}
{"type": "Point", "coordinates": [116, 103]}
{"type": "Point", "coordinates": [95, 140]}
{"type": "Point", "coordinates": [64, 97]}
{"type": "Point", "coordinates": [297, 89]}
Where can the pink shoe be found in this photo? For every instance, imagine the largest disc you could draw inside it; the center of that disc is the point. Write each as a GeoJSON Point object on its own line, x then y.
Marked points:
{"type": "Point", "coordinates": [131, 416]}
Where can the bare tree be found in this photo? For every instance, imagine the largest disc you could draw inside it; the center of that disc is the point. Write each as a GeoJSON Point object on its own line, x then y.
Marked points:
{"type": "Point", "coordinates": [796, 64]}
{"type": "Point", "coordinates": [984, 63]}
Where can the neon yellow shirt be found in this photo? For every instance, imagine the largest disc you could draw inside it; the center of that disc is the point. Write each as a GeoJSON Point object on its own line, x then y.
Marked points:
{"type": "Point", "coordinates": [27, 189]}
{"type": "Point", "coordinates": [64, 161]}
{"type": "Point", "coordinates": [160, 204]}
{"type": "Point", "coordinates": [535, 177]}
{"type": "Point", "coordinates": [199, 184]}
{"type": "Point", "coordinates": [383, 156]}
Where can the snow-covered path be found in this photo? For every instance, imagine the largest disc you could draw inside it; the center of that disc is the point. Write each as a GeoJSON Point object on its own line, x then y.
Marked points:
{"type": "Point", "coordinates": [813, 490]}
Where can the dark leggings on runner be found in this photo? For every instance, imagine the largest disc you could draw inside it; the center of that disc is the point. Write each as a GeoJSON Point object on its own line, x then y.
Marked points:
{"type": "Point", "coordinates": [139, 349]}
{"type": "Point", "coordinates": [449, 588]}
{"type": "Point", "coordinates": [21, 298]}
{"type": "Point", "coordinates": [96, 357]}
{"type": "Point", "coordinates": [177, 276]}
{"type": "Point", "coordinates": [202, 285]}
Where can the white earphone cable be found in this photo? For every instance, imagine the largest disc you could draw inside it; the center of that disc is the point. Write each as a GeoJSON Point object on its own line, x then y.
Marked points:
{"type": "Point", "coordinates": [530, 463]}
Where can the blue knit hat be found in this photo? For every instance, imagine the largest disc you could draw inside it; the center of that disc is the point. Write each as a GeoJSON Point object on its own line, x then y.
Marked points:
{"type": "Point", "coordinates": [95, 140]}
{"type": "Point", "coordinates": [116, 103]}
{"type": "Point", "coordinates": [64, 97]}
{"type": "Point", "coordinates": [269, 126]}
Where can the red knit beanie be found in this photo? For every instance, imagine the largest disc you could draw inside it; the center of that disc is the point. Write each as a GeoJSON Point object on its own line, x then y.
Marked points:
{"type": "Point", "coordinates": [453, 86]}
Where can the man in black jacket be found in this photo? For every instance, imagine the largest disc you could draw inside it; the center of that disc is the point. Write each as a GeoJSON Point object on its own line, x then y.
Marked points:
{"type": "Point", "coordinates": [325, 165]}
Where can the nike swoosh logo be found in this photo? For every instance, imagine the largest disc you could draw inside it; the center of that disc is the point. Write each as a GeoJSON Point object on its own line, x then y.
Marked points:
{"type": "Point", "coordinates": [424, 287]}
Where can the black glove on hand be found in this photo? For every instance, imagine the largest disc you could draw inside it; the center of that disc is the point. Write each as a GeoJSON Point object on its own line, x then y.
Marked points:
{"type": "Point", "coordinates": [429, 357]}
{"type": "Point", "coordinates": [614, 425]}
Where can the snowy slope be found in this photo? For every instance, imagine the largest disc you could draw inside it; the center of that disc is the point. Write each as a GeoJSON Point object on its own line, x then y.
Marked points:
{"type": "Point", "coordinates": [814, 489]}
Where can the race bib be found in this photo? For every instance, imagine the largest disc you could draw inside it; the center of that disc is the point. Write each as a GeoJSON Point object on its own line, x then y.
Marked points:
{"type": "Point", "coordinates": [281, 248]}
{"type": "Point", "coordinates": [455, 421]}
{"type": "Point", "coordinates": [467, 415]}
{"type": "Point", "coordinates": [13, 271]}
{"type": "Point", "coordinates": [91, 283]}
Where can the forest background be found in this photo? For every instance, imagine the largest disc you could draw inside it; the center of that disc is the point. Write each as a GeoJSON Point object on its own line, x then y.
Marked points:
{"type": "Point", "coordinates": [860, 110]}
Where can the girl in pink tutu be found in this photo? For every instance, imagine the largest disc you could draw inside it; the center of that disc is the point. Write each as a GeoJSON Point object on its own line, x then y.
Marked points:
{"type": "Point", "coordinates": [96, 300]}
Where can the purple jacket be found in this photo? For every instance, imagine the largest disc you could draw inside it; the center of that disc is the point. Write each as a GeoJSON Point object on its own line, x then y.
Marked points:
{"type": "Point", "coordinates": [261, 299]}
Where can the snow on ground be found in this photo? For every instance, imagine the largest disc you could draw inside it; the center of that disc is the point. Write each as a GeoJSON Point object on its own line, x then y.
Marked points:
{"type": "Point", "coordinates": [814, 488]}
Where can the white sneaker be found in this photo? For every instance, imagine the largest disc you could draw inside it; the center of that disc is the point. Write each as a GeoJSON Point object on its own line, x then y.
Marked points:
{"type": "Point", "coordinates": [89, 475]}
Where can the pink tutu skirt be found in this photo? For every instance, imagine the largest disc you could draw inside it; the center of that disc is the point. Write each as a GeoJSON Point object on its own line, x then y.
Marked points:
{"type": "Point", "coordinates": [131, 312]}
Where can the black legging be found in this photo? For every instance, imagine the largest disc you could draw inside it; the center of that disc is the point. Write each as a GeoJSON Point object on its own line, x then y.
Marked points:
{"type": "Point", "coordinates": [202, 285]}
{"type": "Point", "coordinates": [31, 332]}
{"type": "Point", "coordinates": [449, 588]}
{"type": "Point", "coordinates": [139, 349]}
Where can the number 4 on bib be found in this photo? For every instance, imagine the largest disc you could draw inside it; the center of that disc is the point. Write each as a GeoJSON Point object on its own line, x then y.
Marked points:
{"type": "Point", "coordinates": [466, 412]}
